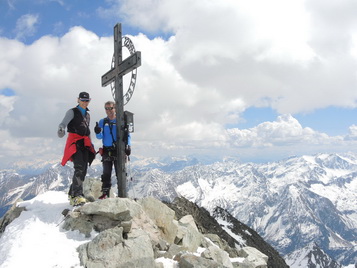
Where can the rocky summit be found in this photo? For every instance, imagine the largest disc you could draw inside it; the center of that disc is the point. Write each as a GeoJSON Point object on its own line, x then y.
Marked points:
{"type": "Point", "coordinates": [141, 233]}
{"type": "Point", "coordinates": [147, 233]}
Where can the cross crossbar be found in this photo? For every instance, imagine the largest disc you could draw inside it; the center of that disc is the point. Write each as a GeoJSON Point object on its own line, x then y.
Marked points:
{"type": "Point", "coordinates": [126, 66]}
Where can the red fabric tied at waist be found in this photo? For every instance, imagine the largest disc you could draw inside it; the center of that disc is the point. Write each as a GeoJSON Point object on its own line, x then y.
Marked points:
{"type": "Point", "coordinates": [71, 147]}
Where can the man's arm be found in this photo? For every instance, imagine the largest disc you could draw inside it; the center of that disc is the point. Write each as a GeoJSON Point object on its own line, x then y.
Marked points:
{"type": "Point", "coordinates": [101, 126]}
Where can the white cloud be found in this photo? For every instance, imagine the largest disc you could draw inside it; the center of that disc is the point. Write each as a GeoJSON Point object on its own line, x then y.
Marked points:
{"type": "Point", "coordinates": [222, 58]}
{"type": "Point", "coordinates": [14, 149]}
{"type": "Point", "coordinates": [48, 75]}
{"type": "Point", "coordinates": [285, 131]}
{"type": "Point", "coordinates": [278, 54]}
{"type": "Point", "coordinates": [352, 135]}
{"type": "Point", "coordinates": [6, 106]}
{"type": "Point", "coordinates": [11, 3]}
{"type": "Point", "coordinates": [26, 25]}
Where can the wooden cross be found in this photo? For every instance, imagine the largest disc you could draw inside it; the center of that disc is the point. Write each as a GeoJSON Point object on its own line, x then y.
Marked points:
{"type": "Point", "coordinates": [115, 74]}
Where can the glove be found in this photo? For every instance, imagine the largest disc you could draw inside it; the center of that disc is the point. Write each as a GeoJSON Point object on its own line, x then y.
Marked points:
{"type": "Point", "coordinates": [127, 150]}
{"type": "Point", "coordinates": [97, 129]}
{"type": "Point", "coordinates": [61, 131]}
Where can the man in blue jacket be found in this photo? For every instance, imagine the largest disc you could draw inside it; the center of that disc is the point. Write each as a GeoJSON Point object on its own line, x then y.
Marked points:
{"type": "Point", "coordinates": [106, 131]}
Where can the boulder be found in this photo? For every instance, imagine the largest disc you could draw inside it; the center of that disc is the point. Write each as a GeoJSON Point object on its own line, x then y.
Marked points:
{"type": "Point", "coordinates": [193, 261]}
{"type": "Point", "coordinates": [102, 215]}
{"type": "Point", "coordinates": [10, 215]}
{"type": "Point", "coordinates": [218, 255]}
{"type": "Point", "coordinates": [189, 220]}
{"type": "Point", "coordinates": [137, 234]}
{"type": "Point", "coordinates": [214, 239]}
{"type": "Point", "coordinates": [162, 216]}
{"type": "Point", "coordinates": [110, 250]}
{"type": "Point", "coordinates": [187, 234]}
{"type": "Point", "coordinates": [120, 209]}
{"type": "Point", "coordinates": [254, 257]}
{"type": "Point", "coordinates": [92, 189]}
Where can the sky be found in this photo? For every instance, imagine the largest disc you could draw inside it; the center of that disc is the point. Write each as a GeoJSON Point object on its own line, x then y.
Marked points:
{"type": "Point", "coordinates": [256, 80]}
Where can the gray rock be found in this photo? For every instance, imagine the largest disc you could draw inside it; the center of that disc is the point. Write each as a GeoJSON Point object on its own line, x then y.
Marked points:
{"type": "Point", "coordinates": [208, 225]}
{"type": "Point", "coordinates": [76, 221]}
{"type": "Point", "coordinates": [187, 235]}
{"type": "Point", "coordinates": [162, 245]}
{"type": "Point", "coordinates": [173, 251]}
{"type": "Point", "coordinates": [92, 189]}
{"type": "Point", "coordinates": [222, 244]}
{"type": "Point", "coordinates": [122, 209]}
{"type": "Point", "coordinates": [134, 234]}
{"type": "Point", "coordinates": [216, 240]}
{"type": "Point", "coordinates": [189, 220]}
{"type": "Point", "coordinates": [254, 256]}
{"type": "Point", "coordinates": [160, 249]}
{"type": "Point", "coordinates": [218, 255]}
{"type": "Point", "coordinates": [162, 216]}
{"type": "Point", "coordinates": [192, 261]}
{"type": "Point", "coordinates": [10, 215]}
{"type": "Point", "coordinates": [243, 265]}
{"type": "Point", "coordinates": [102, 215]}
{"type": "Point", "coordinates": [110, 250]}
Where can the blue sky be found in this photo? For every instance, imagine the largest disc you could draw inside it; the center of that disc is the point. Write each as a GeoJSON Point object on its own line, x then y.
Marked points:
{"type": "Point", "coordinates": [260, 84]}
{"type": "Point", "coordinates": [332, 120]}
{"type": "Point", "coordinates": [57, 17]}
{"type": "Point", "coordinates": [53, 17]}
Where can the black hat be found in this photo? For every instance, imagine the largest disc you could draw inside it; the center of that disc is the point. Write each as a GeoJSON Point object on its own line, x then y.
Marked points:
{"type": "Point", "coordinates": [84, 96]}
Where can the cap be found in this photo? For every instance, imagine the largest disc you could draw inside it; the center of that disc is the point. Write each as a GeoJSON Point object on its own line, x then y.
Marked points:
{"type": "Point", "coordinates": [84, 96]}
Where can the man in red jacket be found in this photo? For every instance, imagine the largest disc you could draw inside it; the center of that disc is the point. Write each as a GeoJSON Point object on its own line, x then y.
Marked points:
{"type": "Point", "coordinates": [79, 147]}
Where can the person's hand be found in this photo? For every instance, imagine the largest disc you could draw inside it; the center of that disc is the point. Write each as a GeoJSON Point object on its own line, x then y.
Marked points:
{"type": "Point", "coordinates": [97, 129]}
{"type": "Point", "coordinates": [127, 150]}
{"type": "Point", "coordinates": [61, 131]}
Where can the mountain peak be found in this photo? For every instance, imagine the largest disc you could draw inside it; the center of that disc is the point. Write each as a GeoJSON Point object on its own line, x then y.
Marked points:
{"type": "Point", "coordinates": [289, 203]}
{"type": "Point", "coordinates": [115, 232]}
{"type": "Point", "coordinates": [311, 256]}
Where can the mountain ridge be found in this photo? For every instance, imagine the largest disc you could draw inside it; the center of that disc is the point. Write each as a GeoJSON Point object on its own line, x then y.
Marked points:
{"type": "Point", "coordinates": [122, 232]}
{"type": "Point", "coordinates": [259, 195]}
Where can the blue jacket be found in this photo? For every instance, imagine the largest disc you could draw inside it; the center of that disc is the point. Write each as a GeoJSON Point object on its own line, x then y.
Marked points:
{"type": "Point", "coordinates": [109, 132]}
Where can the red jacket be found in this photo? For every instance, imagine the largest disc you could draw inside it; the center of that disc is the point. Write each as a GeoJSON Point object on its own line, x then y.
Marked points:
{"type": "Point", "coordinates": [71, 147]}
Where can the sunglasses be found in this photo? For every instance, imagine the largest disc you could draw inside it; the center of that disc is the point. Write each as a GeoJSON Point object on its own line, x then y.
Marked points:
{"type": "Point", "coordinates": [84, 100]}
{"type": "Point", "coordinates": [109, 108]}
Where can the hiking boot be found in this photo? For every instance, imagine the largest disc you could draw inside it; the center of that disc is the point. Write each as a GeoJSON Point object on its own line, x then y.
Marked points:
{"type": "Point", "coordinates": [103, 196]}
{"type": "Point", "coordinates": [77, 200]}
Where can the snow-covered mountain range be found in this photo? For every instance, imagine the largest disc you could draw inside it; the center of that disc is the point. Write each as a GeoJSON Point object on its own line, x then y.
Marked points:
{"type": "Point", "coordinates": [310, 256]}
{"type": "Point", "coordinates": [291, 203]}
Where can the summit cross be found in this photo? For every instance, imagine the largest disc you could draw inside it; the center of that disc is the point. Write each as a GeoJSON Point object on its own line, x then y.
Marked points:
{"type": "Point", "coordinates": [115, 75]}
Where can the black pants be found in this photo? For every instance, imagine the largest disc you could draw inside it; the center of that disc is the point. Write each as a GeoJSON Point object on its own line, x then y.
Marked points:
{"type": "Point", "coordinates": [80, 164]}
{"type": "Point", "coordinates": [108, 159]}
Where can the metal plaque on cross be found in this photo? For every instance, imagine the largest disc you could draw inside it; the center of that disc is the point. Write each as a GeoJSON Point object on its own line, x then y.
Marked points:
{"type": "Point", "coordinates": [114, 77]}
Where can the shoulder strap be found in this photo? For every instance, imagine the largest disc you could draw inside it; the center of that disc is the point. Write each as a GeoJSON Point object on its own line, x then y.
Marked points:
{"type": "Point", "coordinates": [107, 121]}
